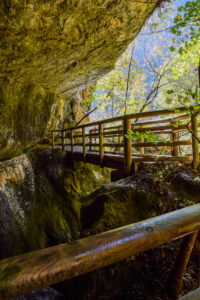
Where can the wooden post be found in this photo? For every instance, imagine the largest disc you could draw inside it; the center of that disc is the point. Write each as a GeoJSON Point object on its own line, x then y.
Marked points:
{"type": "Point", "coordinates": [84, 143]}
{"type": "Point", "coordinates": [90, 139]}
{"type": "Point", "coordinates": [72, 141]}
{"type": "Point", "coordinates": [53, 145]}
{"type": "Point", "coordinates": [174, 137]}
{"type": "Point", "coordinates": [101, 140]}
{"type": "Point", "coordinates": [141, 141]}
{"type": "Point", "coordinates": [195, 143]}
{"type": "Point", "coordinates": [176, 278]}
{"type": "Point", "coordinates": [95, 138]}
{"type": "Point", "coordinates": [119, 140]}
{"type": "Point", "coordinates": [41, 268]}
{"type": "Point", "coordinates": [63, 140]}
{"type": "Point", "coordinates": [127, 148]}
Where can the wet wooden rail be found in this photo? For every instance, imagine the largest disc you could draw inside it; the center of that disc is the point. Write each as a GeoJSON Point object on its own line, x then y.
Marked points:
{"type": "Point", "coordinates": [104, 142]}
{"type": "Point", "coordinates": [38, 269]}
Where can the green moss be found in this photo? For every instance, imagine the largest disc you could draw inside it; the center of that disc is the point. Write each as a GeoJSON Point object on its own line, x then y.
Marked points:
{"type": "Point", "coordinates": [51, 220]}
{"type": "Point", "coordinates": [25, 115]}
{"type": "Point", "coordinates": [82, 180]}
{"type": "Point", "coordinates": [9, 273]}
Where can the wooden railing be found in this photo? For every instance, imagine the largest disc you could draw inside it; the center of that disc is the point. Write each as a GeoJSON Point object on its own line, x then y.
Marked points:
{"type": "Point", "coordinates": [107, 137]}
{"type": "Point", "coordinates": [38, 269]}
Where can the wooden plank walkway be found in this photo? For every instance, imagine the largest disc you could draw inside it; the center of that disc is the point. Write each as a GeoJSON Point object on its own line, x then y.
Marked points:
{"type": "Point", "coordinates": [105, 142]}
{"type": "Point", "coordinates": [116, 160]}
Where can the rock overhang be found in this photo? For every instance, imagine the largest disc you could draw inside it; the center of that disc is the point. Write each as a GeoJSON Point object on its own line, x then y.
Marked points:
{"type": "Point", "coordinates": [51, 48]}
{"type": "Point", "coordinates": [66, 44]}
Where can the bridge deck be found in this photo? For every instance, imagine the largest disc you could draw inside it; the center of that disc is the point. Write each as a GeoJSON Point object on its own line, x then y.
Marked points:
{"type": "Point", "coordinates": [116, 160]}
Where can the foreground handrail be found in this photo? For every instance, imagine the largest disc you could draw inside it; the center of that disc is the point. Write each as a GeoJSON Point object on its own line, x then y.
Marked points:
{"type": "Point", "coordinates": [194, 295]}
{"type": "Point", "coordinates": [38, 269]}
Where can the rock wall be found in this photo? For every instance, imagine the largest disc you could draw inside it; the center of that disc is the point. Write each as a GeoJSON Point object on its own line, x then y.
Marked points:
{"type": "Point", "coordinates": [27, 110]}
{"type": "Point", "coordinates": [51, 49]}
{"type": "Point", "coordinates": [40, 200]}
{"type": "Point", "coordinates": [17, 186]}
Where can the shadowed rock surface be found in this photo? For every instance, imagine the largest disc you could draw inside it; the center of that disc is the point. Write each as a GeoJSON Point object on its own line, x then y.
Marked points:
{"type": "Point", "coordinates": [153, 190]}
{"type": "Point", "coordinates": [40, 200]}
{"type": "Point", "coordinates": [44, 294]}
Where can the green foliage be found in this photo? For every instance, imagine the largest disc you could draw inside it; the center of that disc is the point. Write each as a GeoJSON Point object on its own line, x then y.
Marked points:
{"type": "Point", "coordinates": [189, 44]}
{"type": "Point", "coordinates": [109, 93]}
{"type": "Point", "coordinates": [183, 87]}
{"type": "Point", "coordinates": [173, 81]}
{"type": "Point", "coordinates": [149, 136]}
{"type": "Point", "coordinates": [188, 14]}
{"type": "Point", "coordinates": [87, 101]}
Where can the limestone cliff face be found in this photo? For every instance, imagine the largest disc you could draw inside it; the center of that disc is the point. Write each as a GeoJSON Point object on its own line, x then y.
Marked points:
{"type": "Point", "coordinates": [49, 50]}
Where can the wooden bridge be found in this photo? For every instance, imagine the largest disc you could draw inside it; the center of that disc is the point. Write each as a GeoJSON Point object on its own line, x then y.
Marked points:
{"type": "Point", "coordinates": [38, 269]}
{"type": "Point", "coordinates": [105, 143]}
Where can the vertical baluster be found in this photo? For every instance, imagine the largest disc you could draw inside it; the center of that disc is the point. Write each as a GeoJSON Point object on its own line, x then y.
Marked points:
{"type": "Point", "coordinates": [63, 140]}
{"type": "Point", "coordinates": [119, 140]}
{"type": "Point", "coordinates": [195, 143]}
{"type": "Point", "coordinates": [174, 137]}
{"type": "Point", "coordinates": [90, 139]}
{"type": "Point", "coordinates": [127, 148]}
{"type": "Point", "coordinates": [95, 138]}
{"type": "Point", "coordinates": [72, 141]}
{"type": "Point", "coordinates": [101, 140]}
{"type": "Point", "coordinates": [141, 141]}
{"type": "Point", "coordinates": [53, 144]}
{"type": "Point", "coordinates": [84, 143]}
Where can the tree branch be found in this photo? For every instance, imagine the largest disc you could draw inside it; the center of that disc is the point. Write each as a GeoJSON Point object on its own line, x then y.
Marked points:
{"type": "Point", "coordinates": [92, 110]}
{"type": "Point", "coordinates": [128, 79]}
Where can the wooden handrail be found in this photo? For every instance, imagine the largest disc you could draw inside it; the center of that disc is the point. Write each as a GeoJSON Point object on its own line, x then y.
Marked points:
{"type": "Point", "coordinates": [152, 122]}
{"type": "Point", "coordinates": [38, 269]}
{"type": "Point", "coordinates": [150, 144]}
{"type": "Point", "coordinates": [139, 115]}
{"type": "Point", "coordinates": [135, 116]}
